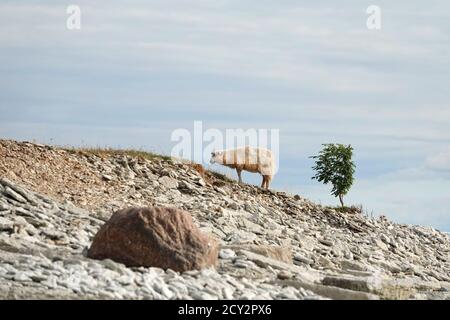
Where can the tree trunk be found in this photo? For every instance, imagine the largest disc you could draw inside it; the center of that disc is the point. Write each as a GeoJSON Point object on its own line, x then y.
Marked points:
{"type": "Point", "coordinates": [341, 199]}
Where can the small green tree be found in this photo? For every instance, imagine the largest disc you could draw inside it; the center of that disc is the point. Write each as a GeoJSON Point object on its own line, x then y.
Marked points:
{"type": "Point", "coordinates": [334, 164]}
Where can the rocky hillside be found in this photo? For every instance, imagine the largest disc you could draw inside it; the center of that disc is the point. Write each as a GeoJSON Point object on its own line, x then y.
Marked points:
{"type": "Point", "coordinates": [273, 245]}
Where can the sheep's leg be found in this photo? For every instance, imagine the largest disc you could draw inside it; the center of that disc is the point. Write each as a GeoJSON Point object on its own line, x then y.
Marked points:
{"type": "Point", "coordinates": [239, 171]}
{"type": "Point", "coordinates": [263, 182]}
{"type": "Point", "coordinates": [268, 179]}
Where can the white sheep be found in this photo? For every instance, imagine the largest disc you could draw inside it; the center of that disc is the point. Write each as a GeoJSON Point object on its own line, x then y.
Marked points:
{"type": "Point", "coordinates": [248, 159]}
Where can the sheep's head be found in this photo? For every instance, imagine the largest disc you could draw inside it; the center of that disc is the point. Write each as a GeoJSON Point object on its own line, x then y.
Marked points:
{"type": "Point", "coordinates": [216, 157]}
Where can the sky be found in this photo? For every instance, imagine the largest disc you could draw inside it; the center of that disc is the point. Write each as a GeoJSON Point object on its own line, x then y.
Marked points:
{"type": "Point", "coordinates": [136, 71]}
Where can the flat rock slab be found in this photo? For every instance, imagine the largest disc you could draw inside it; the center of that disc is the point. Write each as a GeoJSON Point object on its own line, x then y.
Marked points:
{"type": "Point", "coordinates": [329, 291]}
{"type": "Point", "coordinates": [280, 253]}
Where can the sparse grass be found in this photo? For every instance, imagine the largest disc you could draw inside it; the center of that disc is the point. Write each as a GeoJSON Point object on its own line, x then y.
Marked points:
{"type": "Point", "coordinates": [220, 176]}
{"type": "Point", "coordinates": [109, 152]}
{"type": "Point", "coordinates": [210, 175]}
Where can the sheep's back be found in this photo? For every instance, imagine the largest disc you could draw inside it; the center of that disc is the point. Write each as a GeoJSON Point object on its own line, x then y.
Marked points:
{"type": "Point", "coordinates": [250, 159]}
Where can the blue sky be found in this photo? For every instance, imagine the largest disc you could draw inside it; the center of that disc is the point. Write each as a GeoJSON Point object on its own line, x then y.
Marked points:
{"type": "Point", "coordinates": [137, 71]}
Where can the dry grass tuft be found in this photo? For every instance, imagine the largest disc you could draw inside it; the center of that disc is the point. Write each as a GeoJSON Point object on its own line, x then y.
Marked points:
{"type": "Point", "coordinates": [111, 152]}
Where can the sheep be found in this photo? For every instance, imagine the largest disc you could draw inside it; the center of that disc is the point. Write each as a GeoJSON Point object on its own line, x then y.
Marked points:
{"type": "Point", "coordinates": [248, 159]}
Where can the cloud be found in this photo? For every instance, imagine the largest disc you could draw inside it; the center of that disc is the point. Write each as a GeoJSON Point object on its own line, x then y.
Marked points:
{"type": "Point", "coordinates": [439, 161]}
{"type": "Point", "coordinates": [137, 71]}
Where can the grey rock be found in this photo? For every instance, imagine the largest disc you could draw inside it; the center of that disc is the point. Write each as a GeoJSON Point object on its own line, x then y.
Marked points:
{"type": "Point", "coordinates": [6, 224]}
{"type": "Point", "coordinates": [168, 182]}
{"type": "Point", "coordinates": [302, 259]}
{"type": "Point", "coordinates": [329, 291]}
{"type": "Point", "coordinates": [107, 177]}
{"type": "Point", "coordinates": [227, 254]}
{"type": "Point", "coordinates": [14, 195]}
{"type": "Point", "coordinates": [326, 242]}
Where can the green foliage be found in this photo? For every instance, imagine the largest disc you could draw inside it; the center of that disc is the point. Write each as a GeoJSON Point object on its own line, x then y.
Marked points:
{"type": "Point", "coordinates": [334, 165]}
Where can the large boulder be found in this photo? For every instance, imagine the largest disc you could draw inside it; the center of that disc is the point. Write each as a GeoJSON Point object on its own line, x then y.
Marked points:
{"type": "Point", "coordinates": [154, 237]}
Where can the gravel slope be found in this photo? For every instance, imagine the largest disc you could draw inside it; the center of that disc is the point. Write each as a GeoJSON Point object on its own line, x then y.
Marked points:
{"type": "Point", "coordinates": [53, 201]}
